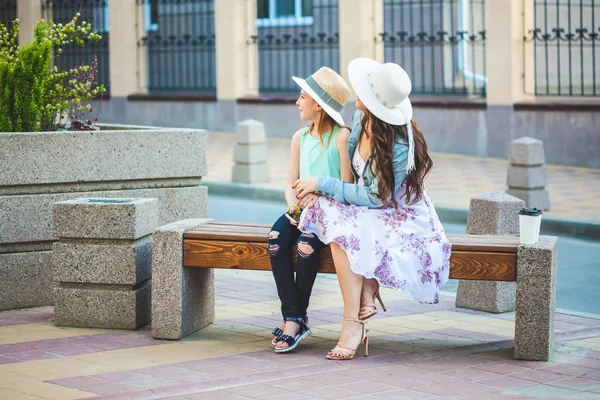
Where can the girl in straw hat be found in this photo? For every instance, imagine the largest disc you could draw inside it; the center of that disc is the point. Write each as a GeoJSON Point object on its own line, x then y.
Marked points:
{"type": "Point", "coordinates": [383, 229]}
{"type": "Point", "coordinates": [321, 149]}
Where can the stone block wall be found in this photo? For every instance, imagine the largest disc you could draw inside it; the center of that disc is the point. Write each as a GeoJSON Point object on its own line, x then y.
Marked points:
{"type": "Point", "coordinates": [103, 262]}
{"type": "Point", "coordinates": [40, 169]}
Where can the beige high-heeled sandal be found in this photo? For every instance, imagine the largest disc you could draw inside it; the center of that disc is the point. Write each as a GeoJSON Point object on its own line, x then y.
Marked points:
{"type": "Point", "coordinates": [346, 353]}
{"type": "Point", "coordinates": [371, 308]}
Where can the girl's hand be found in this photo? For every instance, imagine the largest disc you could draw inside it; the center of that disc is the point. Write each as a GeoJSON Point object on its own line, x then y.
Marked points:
{"type": "Point", "coordinates": [309, 200]}
{"type": "Point", "coordinates": [305, 186]}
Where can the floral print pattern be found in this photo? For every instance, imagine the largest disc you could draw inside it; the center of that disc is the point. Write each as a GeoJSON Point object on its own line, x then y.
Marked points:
{"type": "Point", "coordinates": [317, 216]}
{"type": "Point", "coordinates": [404, 248]}
{"type": "Point", "coordinates": [395, 219]}
{"type": "Point", "coordinates": [347, 214]}
{"type": "Point", "coordinates": [350, 244]}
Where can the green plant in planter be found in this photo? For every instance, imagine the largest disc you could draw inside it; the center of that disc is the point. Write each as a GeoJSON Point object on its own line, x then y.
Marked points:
{"type": "Point", "coordinates": [33, 95]}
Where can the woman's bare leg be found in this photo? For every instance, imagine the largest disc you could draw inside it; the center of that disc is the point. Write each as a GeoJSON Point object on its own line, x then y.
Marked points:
{"type": "Point", "coordinates": [351, 286]}
{"type": "Point", "coordinates": [369, 288]}
{"type": "Point", "coordinates": [367, 301]}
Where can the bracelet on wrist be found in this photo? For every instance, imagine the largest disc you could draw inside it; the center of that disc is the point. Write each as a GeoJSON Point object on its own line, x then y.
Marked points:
{"type": "Point", "coordinates": [293, 209]}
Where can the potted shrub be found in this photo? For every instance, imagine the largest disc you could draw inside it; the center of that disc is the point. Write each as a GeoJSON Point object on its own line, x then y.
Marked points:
{"type": "Point", "coordinates": [34, 96]}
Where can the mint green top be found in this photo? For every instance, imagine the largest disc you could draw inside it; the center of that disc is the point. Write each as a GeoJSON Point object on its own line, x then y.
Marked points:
{"type": "Point", "coordinates": [316, 159]}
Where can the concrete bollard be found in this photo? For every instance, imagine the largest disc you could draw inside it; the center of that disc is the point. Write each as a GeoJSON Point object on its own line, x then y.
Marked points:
{"type": "Point", "coordinates": [536, 299]}
{"type": "Point", "coordinates": [103, 262]}
{"type": "Point", "coordinates": [250, 154]}
{"type": "Point", "coordinates": [490, 214]}
{"type": "Point", "coordinates": [183, 299]}
{"type": "Point", "coordinates": [526, 178]}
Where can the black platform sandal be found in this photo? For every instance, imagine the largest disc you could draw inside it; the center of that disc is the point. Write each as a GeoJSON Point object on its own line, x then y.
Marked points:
{"type": "Point", "coordinates": [293, 341]}
{"type": "Point", "coordinates": [277, 331]}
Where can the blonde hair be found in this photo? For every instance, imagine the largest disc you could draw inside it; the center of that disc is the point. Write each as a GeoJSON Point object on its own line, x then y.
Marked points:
{"type": "Point", "coordinates": [323, 119]}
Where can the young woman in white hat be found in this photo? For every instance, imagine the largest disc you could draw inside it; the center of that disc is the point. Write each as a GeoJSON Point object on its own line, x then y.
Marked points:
{"type": "Point", "coordinates": [321, 149]}
{"type": "Point", "coordinates": [383, 229]}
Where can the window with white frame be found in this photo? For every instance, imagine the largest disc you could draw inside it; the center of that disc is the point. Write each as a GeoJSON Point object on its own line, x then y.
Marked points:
{"type": "Point", "coordinates": [272, 13]}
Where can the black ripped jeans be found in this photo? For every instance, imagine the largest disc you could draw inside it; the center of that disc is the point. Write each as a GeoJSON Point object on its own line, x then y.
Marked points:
{"type": "Point", "coordinates": [293, 293]}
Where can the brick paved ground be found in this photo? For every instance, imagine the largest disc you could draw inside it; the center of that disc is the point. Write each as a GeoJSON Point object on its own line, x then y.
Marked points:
{"type": "Point", "coordinates": [416, 352]}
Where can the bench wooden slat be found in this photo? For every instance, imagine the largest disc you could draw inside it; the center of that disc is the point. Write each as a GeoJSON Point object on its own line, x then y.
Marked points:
{"type": "Point", "coordinates": [484, 266]}
{"type": "Point", "coordinates": [226, 254]}
{"type": "Point", "coordinates": [258, 234]}
{"type": "Point", "coordinates": [252, 255]}
{"type": "Point", "coordinates": [227, 236]}
{"type": "Point", "coordinates": [236, 224]}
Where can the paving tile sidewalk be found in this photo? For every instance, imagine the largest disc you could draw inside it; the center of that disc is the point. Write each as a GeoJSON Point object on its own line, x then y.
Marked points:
{"type": "Point", "coordinates": [574, 192]}
{"type": "Point", "coordinates": [416, 352]}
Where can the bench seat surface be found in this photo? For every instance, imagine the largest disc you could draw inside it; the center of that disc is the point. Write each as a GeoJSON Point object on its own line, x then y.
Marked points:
{"type": "Point", "coordinates": [244, 246]}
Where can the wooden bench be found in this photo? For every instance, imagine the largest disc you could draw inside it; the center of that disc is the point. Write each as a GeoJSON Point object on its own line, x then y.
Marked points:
{"type": "Point", "coordinates": [203, 246]}
{"type": "Point", "coordinates": [244, 246]}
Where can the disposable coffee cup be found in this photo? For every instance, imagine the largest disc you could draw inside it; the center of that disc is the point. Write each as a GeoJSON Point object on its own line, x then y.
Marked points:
{"type": "Point", "coordinates": [530, 220]}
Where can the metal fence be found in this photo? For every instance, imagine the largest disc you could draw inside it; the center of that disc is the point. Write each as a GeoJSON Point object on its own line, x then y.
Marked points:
{"type": "Point", "coordinates": [180, 45]}
{"type": "Point", "coordinates": [440, 44]}
{"type": "Point", "coordinates": [8, 12]}
{"type": "Point", "coordinates": [566, 38]}
{"type": "Point", "coordinates": [94, 12]}
{"type": "Point", "coordinates": [304, 43]}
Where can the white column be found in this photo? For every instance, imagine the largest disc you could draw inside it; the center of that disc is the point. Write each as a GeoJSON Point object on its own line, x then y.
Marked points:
{"type": "Point", "coordinates": [360, 22]}
{"type": "Point", "coordinates": [236, 60]}
{"type": "Point", "coordinates": [528, 23]}
{"type": "Point", "coordinates": [125, 18]}
{"type": "Point", "coordinates": [29, 12]}
{"type": "Point", "coordinates": [506, 54]}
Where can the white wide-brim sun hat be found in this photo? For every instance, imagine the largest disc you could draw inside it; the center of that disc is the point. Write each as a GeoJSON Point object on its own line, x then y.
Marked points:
{"type": "Point", "coordinates": [328, 89]}
{"type": "Point", "coordinates": [383, 89]}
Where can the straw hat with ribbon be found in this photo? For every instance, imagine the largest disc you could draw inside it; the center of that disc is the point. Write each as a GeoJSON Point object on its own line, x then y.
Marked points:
{"type": "Point", "coordinates": [328, 89]}
{"type": "Point", "coordinates": [384, 90]}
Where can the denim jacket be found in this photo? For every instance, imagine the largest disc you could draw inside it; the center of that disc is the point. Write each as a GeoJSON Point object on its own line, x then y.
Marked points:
{"type": "Point", "coordinates": [367, 195]}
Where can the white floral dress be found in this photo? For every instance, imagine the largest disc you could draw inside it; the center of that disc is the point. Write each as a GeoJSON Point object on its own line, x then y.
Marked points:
{"type": "Point", "coordinates": [406, 249]}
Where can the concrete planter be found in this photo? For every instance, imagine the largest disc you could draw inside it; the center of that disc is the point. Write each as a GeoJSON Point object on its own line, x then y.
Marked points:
{"type": "Point", "coordinates": [40, 169]}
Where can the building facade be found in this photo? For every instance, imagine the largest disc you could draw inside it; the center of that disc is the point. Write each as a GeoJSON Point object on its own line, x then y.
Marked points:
{"type": "Point", "coordinates": [484, 72]}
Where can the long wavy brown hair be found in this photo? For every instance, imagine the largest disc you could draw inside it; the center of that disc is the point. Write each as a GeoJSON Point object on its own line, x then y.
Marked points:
{"type": "Point", "coordinates": [383, 136]}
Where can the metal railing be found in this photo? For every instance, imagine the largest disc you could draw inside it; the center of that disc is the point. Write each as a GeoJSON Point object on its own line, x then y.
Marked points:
{"type": "Point", "coordinates": [565, 40]}
{"type": "Point", "coordinates": [298, 49]}
{"type": "Point", "coordinates": [180, 45]}
{"type": "Point", "coordinates": [8, 12]}
{"type": "Point", "coordinates": [440, 44]}
{"type": "Point", "coordinates": [94, 12]}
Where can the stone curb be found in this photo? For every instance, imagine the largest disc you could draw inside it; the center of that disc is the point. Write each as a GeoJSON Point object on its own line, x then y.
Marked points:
{"type": "Point", "coordinates": [244, 190]}
{"type": "Point", "coordinates": [550, 226]}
